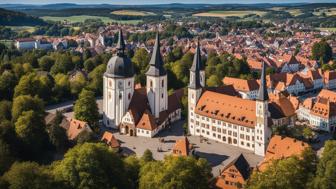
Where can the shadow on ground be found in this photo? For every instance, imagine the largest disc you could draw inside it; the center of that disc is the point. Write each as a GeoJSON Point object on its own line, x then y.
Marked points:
{"type": "Point", "coordinates": [213, 159]}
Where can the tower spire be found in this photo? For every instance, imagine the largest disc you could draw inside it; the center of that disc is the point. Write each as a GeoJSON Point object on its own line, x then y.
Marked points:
{"type": "Point", "coordinates": [263, 94]}
{"type": "Point", "coordinates": [121, 44]}
{"type": "Point", "coordinates": [195, 69]}
{"type": "Point", "coordinates": [156, 63]}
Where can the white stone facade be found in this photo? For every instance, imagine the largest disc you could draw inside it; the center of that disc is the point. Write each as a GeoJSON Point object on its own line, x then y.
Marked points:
{"type": "Point", "coordinates": [117, 96]}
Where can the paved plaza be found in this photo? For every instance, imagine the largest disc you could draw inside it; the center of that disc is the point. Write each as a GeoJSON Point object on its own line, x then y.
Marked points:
{"type": "Point", "coordinates": [217, 154]}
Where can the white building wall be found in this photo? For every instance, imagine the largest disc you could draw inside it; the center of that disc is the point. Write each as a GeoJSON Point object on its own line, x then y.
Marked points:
{"type": "Point", "coordinates": [157, 94]}
{"type": "Point", "coordinates": [117, 96]}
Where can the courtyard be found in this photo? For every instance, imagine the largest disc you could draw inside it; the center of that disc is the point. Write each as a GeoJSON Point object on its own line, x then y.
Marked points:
{"type": "Point", "coordinates": [217, 154]}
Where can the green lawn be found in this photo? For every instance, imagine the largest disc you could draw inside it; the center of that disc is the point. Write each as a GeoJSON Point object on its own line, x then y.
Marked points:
{"type": "Point", "coordinates": [224, 14]}
{"type": "Point", "coordinates": [294, 12]}
{"type": "Point", "coordinates": [8, 43]}
{"type": "Point", "coordinates": [29, 29]}
{"type": "Point", "coordinates": [327, 29]}
{"type": "Point", "coordinates": [82, 18]}
{"type": "Point", "coordinates": [327, 11]}
{"type": "Point", "coordinates": [132, 13]}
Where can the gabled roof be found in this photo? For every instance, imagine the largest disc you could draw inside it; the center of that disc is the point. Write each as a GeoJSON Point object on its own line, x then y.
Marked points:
{"type": "Point", "coordinates": [147, 121]}
{"type": "Point", "coordinates": [181, 147]}
{"type": "Point", "coordinates": [138, 104]}
{"type": "Point", "coordinates": [76, 127]}
{"type": "Point", "coordinates": [156, 63]}
{"type": "Point", "coordinates": [241, 165]}
{"type": "Point", "coordinates": [324, 105]}
{"type": "Point", "coordinates": [281, 106]}
{"type": "Point", "coordinates": [281, 147]}
{"type": "Point", "coordinates": [110, 140]}
{"type": "Point", "coordinates": [241, 84]}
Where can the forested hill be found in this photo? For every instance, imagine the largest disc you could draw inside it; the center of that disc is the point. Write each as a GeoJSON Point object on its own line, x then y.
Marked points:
{"type": "Point", "coordinates": [11, 18]}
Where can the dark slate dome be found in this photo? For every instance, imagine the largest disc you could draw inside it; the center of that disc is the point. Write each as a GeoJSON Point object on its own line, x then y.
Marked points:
{"type": "Point", "coordinates": [119, 66]}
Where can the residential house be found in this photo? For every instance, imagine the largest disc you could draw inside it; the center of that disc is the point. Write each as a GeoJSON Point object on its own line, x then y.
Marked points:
{"type": "Point", "coordinates": [281, 147]}
{"type": "Point", "coordinates": [109, 139]}
{"type": "Point", "coordinates": [234, 175]}
{"type": "Point", "coordinates": [320, 111]}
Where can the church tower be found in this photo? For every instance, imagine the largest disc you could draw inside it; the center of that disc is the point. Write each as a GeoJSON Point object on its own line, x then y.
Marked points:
{"type": "Point", "coordinates": [156, 82]}
{"type": "Point", "coordinates": [118, 87]}
{"type": "Point", "coordinates": [194, 89]}
{"type": "Point", "coordinates": [262, 130]}
{"type": "Point", "coordinates": [201, 65]}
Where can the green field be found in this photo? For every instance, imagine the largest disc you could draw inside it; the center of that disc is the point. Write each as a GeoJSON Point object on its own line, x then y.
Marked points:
{"type": "Point", "coordinates": [8, 43]}
{"type": "Point", "coordinates": [294, 12]}
{"type": "Point", "coordinates": [29, 29]}
{"type": "Point", "coordinates": [132, 13]}
{"type": "Point", "coordinates": [82, 18]}
{"type": "Point", "coordinates": [224, 14]}
{"type": "Point", "coordinates": [327, 11]}
{"type": "Point", "coordinates": [327, 29]}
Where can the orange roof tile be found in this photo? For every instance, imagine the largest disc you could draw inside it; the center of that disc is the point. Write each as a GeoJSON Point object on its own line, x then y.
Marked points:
{"type": "Point", "coordinates": [181, 147]}
{"type": "Point", "coordinates": [110, 140]}
{"type": "Point", "coordinates": [227, 108]}
{"type": "Point", "coordinates": [147, 121]}
{"type": "Point", "coordinates": [241, 84]}
{"type": "Point", "coordinates": [75, 128]}
{"type": "Point", "coordinates": [281, 147]}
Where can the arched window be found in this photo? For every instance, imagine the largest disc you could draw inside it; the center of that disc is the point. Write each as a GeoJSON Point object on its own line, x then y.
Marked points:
{"type": "Point", "coordinates": [150, 83]}
{"type": "Point", "coordinates": [110, 83]}
{"type": "Point", "coordinates": [129, 96]}
{"type": "Point", "coordinates": [162, 95]}
{"type": "Point", "coordinates": [162, 83]}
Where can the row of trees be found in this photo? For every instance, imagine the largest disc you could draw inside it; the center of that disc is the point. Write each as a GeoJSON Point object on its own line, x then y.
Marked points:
{"type": "Point", "coordinates": [93, 165]}
{"type": "Point", "coordinates": [53, 76]}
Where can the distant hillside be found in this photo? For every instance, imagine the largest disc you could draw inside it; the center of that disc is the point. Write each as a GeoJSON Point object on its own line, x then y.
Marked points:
{"type": "Point", "coordinates": [11, 18]}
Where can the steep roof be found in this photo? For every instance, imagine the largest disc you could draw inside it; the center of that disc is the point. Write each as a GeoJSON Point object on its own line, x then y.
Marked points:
{"type": "Point", "coordinates": [76, 127]}
{"type": "Point", "coordinates": [195, 69]}
{"type": "Point", "coordinates": [147, 121]}
{"type": "Point", "coordinates": [241, 165]}
{"type": "Point", "coordinates": [324, 105]}
{"type": "Point", "coordinates": [181, 147]}
{"type": "Point", "coordinates": [263, 93]}
{"type": "Point", "coordinates": [110, 140]}
{"type": "Point", "coordinates": [138, 104]}
{"type": "Point", "coordinates": [281, 147]}
{"type": "Point", "coordinates": [281, 106]}
{"type": "Point", "coordinates": [156, 63]}
{"type": "Point", "coordinates": [120, 65]}
{"type": "Point", "coordinates": [241, 84]}
{"type": "Point", "coordinates": [227, 108]}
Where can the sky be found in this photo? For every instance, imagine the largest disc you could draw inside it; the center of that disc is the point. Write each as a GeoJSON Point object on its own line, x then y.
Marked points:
{"type": "Point", "coordinates": [137, 2]}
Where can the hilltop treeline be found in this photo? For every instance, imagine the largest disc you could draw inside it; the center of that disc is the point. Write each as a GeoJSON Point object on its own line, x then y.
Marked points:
{"type": "Point", "coordinates": [91, 12]}
{"type": "Point", "coordinates": [11, 18]}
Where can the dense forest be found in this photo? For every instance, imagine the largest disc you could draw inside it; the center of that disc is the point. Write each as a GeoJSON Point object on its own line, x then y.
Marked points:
{"type": "Point", "coordinates": [11, 18]}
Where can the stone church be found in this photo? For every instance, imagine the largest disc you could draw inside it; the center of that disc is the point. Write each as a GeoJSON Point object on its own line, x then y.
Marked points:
{"type": "Point", "coordinates": [138, 111]}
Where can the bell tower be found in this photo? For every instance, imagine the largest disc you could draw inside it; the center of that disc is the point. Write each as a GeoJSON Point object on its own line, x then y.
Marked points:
{"type": "Point", "coordinates": [262, 130]}
{"type": "Point", "coordinates": [156, 82]}
{"type": "Point", "coordinates": [194, 89]}
{"type": "Point", "coordinates": [118, 86]}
